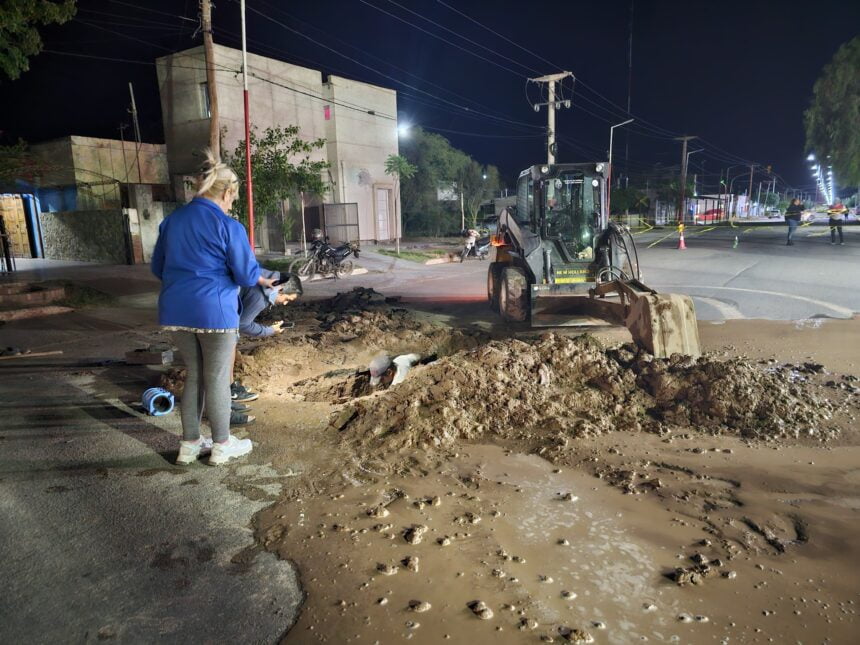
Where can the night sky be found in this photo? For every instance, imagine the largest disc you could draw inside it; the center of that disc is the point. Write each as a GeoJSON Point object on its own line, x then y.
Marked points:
{"type": "Point", "coordinates": [737, 74]}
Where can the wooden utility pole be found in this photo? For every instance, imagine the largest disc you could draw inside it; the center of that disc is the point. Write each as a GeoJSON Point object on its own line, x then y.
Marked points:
{"type": "Point", "coordinates": [211, 87]}
{"type": "Point", "coordinates": [749, 192]}
{"type": "Point", "coordinates": [136, 133]}
{"type": "Point", "coordinates": [683, 189]}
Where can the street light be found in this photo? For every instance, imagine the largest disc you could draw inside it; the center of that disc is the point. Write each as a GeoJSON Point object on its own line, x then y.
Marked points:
{"type": "Point", "coordinates": [403, 130]}
{"type": "Point", "coordinates": [609, 171]}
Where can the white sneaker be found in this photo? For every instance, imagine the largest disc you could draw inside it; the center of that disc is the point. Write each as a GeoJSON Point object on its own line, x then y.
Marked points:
{"type": "Point", "coordinates": [189, 451]}
{"type": "Point", "coordinates": [233, 448]}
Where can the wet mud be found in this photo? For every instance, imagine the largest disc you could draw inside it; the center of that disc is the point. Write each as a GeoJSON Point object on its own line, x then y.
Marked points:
{"type": "Point", "coordinates": [551, 488]}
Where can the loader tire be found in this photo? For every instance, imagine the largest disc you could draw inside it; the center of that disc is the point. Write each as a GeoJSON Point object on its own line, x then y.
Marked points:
{"type": "Point", "coordinates": [514, 295]}
{"type": "Point", "coordinates": [494, 279]}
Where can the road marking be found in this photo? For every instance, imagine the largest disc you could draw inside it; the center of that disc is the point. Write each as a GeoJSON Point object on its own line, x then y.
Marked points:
{"type": "Point", "coordinates": [662, 238]}
{"type": "Point", "coordinates": [727, 311]}
{"type": "Point", "coordinates": [844, 312]}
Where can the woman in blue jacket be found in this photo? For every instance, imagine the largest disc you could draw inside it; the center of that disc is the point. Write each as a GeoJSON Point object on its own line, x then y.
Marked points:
{"type": "Point", "coordinates": [202, 258]}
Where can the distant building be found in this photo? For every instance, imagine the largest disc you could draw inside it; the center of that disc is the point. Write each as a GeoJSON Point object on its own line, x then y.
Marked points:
{"type": "Point", "coordinates": [100, 200]}
{"type": "Point", "coordinates": [357, 120]}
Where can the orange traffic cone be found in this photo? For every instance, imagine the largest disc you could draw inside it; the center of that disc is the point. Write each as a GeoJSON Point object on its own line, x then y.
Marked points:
{"type": "Point", "coordinates": [681, 245]}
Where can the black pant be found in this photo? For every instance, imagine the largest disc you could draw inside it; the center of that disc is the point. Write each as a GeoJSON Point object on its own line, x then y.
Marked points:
{"type": "Point", "coordinates": [835, 225]}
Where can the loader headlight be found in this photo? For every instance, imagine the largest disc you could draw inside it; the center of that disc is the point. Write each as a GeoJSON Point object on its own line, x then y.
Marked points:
{"type": "Point", "coordinates": [599, 167]}
{"type": "Point", "coordinates": [595, 183]}
{"type": "Point", "coordinates": [544, 169]}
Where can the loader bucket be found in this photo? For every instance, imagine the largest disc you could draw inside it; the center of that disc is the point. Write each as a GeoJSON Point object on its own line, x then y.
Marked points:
{"type": "Point", "coordinates": [664, 324]}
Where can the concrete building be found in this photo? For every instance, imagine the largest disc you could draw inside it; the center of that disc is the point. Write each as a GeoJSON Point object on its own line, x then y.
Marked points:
{"type": "Point", "coordinates": [101, 200]}
{"type": "Point", "coordinates": [357, 120]}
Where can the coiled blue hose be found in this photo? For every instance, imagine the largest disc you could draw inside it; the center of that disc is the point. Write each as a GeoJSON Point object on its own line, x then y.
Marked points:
{"type": "Point", "coordinates": [157, 401]}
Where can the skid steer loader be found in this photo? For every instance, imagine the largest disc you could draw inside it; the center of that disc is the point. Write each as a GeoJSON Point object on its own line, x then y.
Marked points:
{"type": "Point", "coordinates": [557, 260]}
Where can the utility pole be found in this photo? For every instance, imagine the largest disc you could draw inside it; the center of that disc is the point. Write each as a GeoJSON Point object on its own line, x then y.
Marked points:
{"type": "Point", "coordinates": [209, 55]}
{"type": "Point", "coordinates": [758, 199]}
{"type": "Point", "coordinates": [749, 192]}
{"type": "Point", "coordinates": [136, 131]}
{"type": "Point", "coordinates": [249, 180]}
{"type": "Point", "coordinates": [629, 93]}
{"type": "Point", "coordinates": [552, 105]}
{"type": "Point", "coordinates": [683, 189]}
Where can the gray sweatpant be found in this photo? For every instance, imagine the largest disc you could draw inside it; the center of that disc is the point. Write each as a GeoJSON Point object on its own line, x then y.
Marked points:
{"type": "Point", "coordinates": [209, 361]}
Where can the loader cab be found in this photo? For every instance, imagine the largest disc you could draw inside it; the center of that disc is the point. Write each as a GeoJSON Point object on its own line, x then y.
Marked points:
{"type": "Point", "coordinates": [562, 205]}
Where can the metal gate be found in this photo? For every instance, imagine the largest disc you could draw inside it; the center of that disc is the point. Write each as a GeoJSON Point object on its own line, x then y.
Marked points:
{"type": "Point", "coordinates": [340, 222]}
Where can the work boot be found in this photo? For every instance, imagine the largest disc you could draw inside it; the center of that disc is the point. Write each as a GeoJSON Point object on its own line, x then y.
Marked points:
{"type": "Point", "coordinates": [240, 394]}
{"type": "Point", "coordinates": [189, 451]}
{"type": "Point", "coordinates": [231, 449]}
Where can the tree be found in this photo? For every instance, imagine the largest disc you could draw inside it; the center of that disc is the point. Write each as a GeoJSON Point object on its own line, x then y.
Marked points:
{"type": "Point", "coordinates": [281, 169]}
{"type": "Point", "coordinates": [833, 118]}
{"type": "Point", "coordinates": [478, 184]}
{"type": "Point", "coordinates": [441, 170]}
{"type": "Point", "coordinates": [398, 167]}
{"type": "Point", "coordinates": [19, 38]}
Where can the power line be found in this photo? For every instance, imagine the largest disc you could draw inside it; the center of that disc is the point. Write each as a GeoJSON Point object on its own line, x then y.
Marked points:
{"type": "Point", "coordinates": [377, 58]}
{"type": "Point", "coordinates": [163, 13]}
{"type": "Point", "coordinates": [444, 40]}
{"type": "Point", "coordinates": [383, 74]}
{"type": "Point", "coordinates": [469, 40]}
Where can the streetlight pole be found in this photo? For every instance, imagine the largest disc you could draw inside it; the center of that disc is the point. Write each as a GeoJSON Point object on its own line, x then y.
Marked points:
{"type": "Point", "coordinates": [611, 134]}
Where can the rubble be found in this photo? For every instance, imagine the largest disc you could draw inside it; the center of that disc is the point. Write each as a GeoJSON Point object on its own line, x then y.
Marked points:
{"type": "Point", "coordinates": [495, 390]}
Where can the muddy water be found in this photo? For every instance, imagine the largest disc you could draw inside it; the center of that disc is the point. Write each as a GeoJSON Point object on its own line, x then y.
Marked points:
{"type": "Point", "coordinates": [547, 550]}
{"type": "Point", "coordinates": [782, 519]}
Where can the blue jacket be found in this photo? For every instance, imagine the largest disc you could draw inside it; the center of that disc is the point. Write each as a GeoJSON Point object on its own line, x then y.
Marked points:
{"type": "Point", "coordinates": [202, 257]}
{"type": "Point", "coordinates": [254, 301]}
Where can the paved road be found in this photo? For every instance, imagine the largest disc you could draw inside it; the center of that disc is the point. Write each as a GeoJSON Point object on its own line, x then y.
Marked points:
{"type": "Point", "coordinates": [759, 278]}
{"type": "Point", "coordinates": [102, 538]}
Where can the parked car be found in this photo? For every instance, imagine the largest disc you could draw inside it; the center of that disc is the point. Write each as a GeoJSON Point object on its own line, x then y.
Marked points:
{"type": "Point", "coordinates": [712, 215]}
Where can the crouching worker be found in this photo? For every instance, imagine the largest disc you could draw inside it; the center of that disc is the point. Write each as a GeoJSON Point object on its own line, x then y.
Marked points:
{"type": "Point", "coordinates": [286, 287]}
{"type": "Point", "coordinates": [385, 371]}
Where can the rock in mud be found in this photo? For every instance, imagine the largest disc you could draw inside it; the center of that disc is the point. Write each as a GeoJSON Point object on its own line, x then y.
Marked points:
{"type": "Point", "coordinates": [526, 624]}
{"type": "Point", "coordinates": [387, 569]}
{"type": "Point", "coordinates": [443, 541]}
{"type": "Point", "coordinates": [415, 533]}
{"type": "Point", "coordinates": [410, 562]}
{"type": "Point", "coordinates": [419, 606]}
{"type": "Point", "coordinates": [575, 635]}
{"type": "Point", "coordinates": [378, 512]}
{"type": "Point", "coordinates": [480, 609]}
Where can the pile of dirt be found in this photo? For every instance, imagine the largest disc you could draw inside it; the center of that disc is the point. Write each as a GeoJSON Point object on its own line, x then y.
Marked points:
{"type": "Point", "coordinates": [559, 388]}
{"type": "Point", "coordinates": [346, 329]}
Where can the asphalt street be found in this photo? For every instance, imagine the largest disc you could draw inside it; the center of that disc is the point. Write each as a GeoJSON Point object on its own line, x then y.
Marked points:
{"type": "Point", "coordinates": [759, 278]}
{"type": "Point", "coordinates": [103, 538]}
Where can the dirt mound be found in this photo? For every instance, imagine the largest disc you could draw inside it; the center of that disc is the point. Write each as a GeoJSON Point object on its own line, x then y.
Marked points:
{"type": "Point", "coordinates": [347, 329]}
{"type": "Point", "coordinates": [559, 388]}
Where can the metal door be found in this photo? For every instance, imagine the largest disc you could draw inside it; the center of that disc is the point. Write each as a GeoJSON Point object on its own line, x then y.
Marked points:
{"type": "Point", "coordinates": [382, 197]}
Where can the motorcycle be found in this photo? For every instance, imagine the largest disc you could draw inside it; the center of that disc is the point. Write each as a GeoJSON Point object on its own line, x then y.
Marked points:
{"type": "Point", "coordinates": [326, 260]}
{"type": "Point", "coordinates": [479, 249]}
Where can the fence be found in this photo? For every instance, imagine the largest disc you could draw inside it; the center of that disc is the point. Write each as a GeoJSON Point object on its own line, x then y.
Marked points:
{"type": "Point", "coordinates": [340, 222]}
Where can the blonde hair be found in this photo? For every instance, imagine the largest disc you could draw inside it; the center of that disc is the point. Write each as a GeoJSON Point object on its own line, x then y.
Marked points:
{"type": "Point", "coordinates": [215, 177]}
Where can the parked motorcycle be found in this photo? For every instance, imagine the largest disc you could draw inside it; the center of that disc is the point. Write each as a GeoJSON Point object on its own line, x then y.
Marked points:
{"type": "Point", "coordinates": [480, 248]}
{"type": "Point", "coordinates": [326, 260]}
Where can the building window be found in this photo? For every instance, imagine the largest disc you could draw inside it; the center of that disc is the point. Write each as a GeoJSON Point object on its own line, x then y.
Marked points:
{"type": "Point", "coordinates": [204, 100]}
